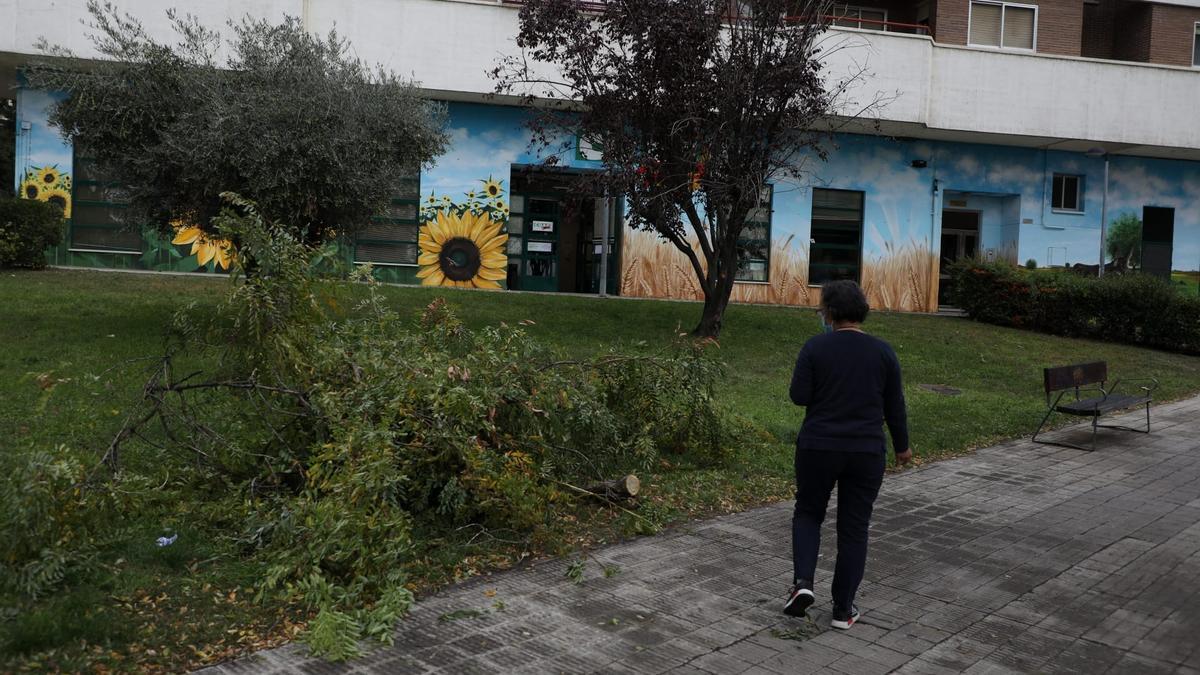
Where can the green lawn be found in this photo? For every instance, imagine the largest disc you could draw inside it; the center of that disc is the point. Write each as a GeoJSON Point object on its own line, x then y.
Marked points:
{"type": "Point", "coordinates": [69, 369]}
{"type": "Point", "coordinates": [70, 324]}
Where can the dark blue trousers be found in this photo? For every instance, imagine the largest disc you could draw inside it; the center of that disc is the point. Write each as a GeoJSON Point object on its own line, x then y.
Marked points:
{"type": "Point", "coordinates": [858, 476]}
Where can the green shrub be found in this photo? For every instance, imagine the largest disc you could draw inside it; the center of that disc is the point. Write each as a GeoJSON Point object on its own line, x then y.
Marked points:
{"type": "Point", "coordinates": [1031, 264]}
{"type": "Point", "coordinates": [27, 229]}
{"type": "Point", "coordinates": [1130, 308]}
{"type": "Point", "coordinates": [49, 516]}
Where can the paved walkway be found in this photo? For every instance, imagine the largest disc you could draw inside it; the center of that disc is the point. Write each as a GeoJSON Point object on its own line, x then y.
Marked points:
{"type": "Point", "coordinates": [1021, 558]}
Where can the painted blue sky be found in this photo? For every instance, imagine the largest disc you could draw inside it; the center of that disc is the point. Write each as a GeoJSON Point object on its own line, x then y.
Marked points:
{"type": "Point", "coordinates": [41, 144]}
{"type": "Point", "coordinates": [484, 141]}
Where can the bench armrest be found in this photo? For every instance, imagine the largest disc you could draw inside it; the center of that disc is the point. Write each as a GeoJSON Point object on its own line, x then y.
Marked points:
{"type": "Point", "coordinates": [1150, 385]}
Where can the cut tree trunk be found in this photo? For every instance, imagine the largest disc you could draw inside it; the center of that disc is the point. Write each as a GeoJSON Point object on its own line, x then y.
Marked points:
{"type": "Point", "coordinates": [618, 489]}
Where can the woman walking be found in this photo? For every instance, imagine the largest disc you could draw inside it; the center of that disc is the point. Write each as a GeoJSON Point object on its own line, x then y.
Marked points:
{"type": "Point", "coordinates": [849, 383]}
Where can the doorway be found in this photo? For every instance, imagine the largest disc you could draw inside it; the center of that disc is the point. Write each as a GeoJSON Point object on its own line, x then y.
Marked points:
{"type": "Point", "coordinates": [960, 240]}
{"type": "Point", "coordinates": [1158, 240]}
{"type": "Point", "coordinates": [556, 232]}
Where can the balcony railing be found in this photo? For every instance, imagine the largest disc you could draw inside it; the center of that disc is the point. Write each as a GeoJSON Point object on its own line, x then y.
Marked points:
{"type": "Point", "coordinates": [839, 20]}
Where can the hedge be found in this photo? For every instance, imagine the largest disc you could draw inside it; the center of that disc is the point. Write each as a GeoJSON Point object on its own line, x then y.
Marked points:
{"type": "Point", "coordinates": [27, 229]}
{"type": "Point", "coordinates": [1135, 309]}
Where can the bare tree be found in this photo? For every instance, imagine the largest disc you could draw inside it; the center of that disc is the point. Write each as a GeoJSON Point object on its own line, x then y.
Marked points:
{"type": "Point", "coordinates": [697, 105]}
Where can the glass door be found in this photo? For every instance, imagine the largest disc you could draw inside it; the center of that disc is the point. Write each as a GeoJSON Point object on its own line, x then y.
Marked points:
{"type": "Point", "coordinates": [960, 240]}
{"type": "Point", "coordinates": [543, 219]}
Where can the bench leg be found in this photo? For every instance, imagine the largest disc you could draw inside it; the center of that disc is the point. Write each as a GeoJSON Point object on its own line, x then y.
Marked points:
{"type": "Point", "coordinates": [1124, 428]}
{"type": "Point", "coordinates": [1063, 444]}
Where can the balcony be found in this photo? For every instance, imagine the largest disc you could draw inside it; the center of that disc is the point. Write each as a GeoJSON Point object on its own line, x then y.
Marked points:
{"type": "Point", "coordinates": [938, 91]}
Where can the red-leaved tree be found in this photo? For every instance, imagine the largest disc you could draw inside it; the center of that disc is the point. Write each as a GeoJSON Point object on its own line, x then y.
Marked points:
{"type": "Point", "coordinates": [697, 106]}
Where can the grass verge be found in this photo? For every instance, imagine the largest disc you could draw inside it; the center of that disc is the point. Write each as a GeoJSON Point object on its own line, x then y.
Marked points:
{"type": "Point", "coordinates": [70, 368]}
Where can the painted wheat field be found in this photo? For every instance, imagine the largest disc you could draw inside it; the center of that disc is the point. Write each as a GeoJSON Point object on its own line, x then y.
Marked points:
{"type": "Point", "coordinates": [902, 279]}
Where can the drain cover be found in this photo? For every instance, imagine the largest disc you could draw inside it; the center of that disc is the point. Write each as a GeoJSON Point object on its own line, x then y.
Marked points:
{"type": "Point", "coordinates": [941, 389]}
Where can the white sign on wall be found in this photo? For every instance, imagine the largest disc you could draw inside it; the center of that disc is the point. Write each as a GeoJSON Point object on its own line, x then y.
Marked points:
{"type": "Point", "coordinates": [542, 226]}
{"type": "Point", "coordinates": [540, 247]}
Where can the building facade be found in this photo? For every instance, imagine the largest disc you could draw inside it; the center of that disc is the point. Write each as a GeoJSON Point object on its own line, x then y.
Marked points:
{"type": "Point", "coordinates": [1009, 129]}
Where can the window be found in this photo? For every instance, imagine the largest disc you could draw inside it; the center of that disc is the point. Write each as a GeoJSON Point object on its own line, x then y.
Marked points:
{"type": "Point", "coordinates": [99, 205]}
{"type": "Point", "coordinates": [848, 16]}
{"type": "Point", "coordinates": [1196, 46]}
{"type": "Point", "coordinates": [835, 249]}
{"type": "Point", "coordinates": [754, 244]}
{"type": "Point", "coordinates": [1067, 193]}
{"type": "Point", "coordinates": [391, 237]}
{"type": "Point", "coordinates": [997, 24]}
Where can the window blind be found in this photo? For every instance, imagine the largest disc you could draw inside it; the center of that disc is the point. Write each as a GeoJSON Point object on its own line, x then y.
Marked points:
{"type": "Point", "coordinates": [985, 24]}
{"type": "Point", "coordinates": [1018, 27]}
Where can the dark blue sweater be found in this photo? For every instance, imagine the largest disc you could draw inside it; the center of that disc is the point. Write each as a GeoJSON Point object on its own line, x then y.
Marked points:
{"type": "Point", "coordinates": [850, 384]}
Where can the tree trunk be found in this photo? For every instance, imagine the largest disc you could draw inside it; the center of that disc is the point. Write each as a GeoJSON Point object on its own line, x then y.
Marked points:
{"type": "Point", "coordinates": [618, 489]}
{"type": "Point", "coordinates": [718, 287]}
{"type": "Point", "coordinates": [713, 316]}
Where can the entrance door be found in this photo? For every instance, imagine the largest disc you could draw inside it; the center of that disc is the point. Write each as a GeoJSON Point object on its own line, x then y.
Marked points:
{"type": "Point", "coordinates": [555, 234]}
{"type": "Point", "coordinates": [1158, 239]}
{"type": "Point", "coordinates": [960, 240]}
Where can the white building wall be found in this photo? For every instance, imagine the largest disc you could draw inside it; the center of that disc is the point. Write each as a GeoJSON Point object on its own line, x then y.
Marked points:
{"type": "Point", "coordinates": [450, 45]}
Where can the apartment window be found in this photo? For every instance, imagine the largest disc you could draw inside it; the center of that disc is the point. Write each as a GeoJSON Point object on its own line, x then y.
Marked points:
{"type": "Point", "coordinates": [754, 244]}
{"type": "Point", "coordinates": [849, 16]}
{"type": "Point", "coordinates": [1004, 25]}
{"type": "Point", "coordinates": [98, 220]}
{"type": "Point", "coordinates": [1196, 45]}
{"type": "Point", "coordinates": [835, 249]}
{"type": "Point", "coordinates": [1067, 193]}
{"type": "Point", "coordinates": [391, 237]}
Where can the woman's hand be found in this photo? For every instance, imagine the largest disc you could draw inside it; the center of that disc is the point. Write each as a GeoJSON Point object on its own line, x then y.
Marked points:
{"type": "Point", "coordinates": [903, 458]}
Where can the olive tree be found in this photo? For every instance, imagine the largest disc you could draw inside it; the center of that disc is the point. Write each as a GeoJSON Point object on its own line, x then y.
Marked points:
{"type": "Point", "coordinates": [1124, 241]}
{"type": "Point", "coordinates": [286, 118]}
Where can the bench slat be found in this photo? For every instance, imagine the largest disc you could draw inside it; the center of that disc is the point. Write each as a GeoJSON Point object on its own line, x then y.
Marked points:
{"type": "Point", "coordinates": [1092, 406]}
{"type": "Point", "coordinates": [1078, 375]}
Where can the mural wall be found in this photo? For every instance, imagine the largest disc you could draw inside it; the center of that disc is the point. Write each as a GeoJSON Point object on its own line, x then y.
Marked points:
{"type": "Point", "coordinates": [904, 203]}
{"type": "Point", "coordinates": [43, 160]}
{"type": "Point", "coordinates": [97, 235]}
{"type": "Point", "coordinates": [461, 234]}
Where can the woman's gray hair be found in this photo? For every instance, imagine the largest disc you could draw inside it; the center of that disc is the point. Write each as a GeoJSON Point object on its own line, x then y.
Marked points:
{"type": "Point", "coordinates": [844, 301]}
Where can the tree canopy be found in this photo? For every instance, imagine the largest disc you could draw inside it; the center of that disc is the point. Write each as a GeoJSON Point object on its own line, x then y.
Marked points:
{"type": "Point", "coordinates": [1124, 241]}
{"type": "Point", "coordinates": [291, 120]}
{"type": "Point", "coordinates": [697, 107]}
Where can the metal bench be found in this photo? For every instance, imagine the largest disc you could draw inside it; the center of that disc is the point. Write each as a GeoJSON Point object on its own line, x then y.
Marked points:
{"type": "Point", "coordinates": [1090, 378]}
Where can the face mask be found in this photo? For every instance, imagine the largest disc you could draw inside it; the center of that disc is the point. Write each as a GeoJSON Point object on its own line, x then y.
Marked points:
{"type": "Point", "coordinates": [825, 326]}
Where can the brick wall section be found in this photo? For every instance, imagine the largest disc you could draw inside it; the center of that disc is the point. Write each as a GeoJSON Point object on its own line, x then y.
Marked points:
{"type": "Point", "coordinates": [1172, 31]}
{"type": "Point", "coordinates": [1059, 29]}
{"type": "Point", "coordinates": [950, 22]}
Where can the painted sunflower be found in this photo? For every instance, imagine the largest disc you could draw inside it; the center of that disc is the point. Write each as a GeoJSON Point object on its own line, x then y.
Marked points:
{"type": "Point", "coordinates": [30, 189]}
{"type": "Point", "coordinates": [462, 250]}
{"type": "Point", "coordinates": [59, 196]}
{"type": "Point", "coordinates": [205, 249]}
{"type": "Point", "coordinates": [492, 188]}
{"type": "Point", "coordinates": [48, 175]}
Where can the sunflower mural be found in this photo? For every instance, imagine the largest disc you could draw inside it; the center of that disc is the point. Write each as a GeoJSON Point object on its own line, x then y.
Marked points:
{"type": "Point", "coordinates": [205, 248]}
{"type": "Point", "coordinates": [48, 184]}
{"type": "Point", "coordinates": [463, 244]}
